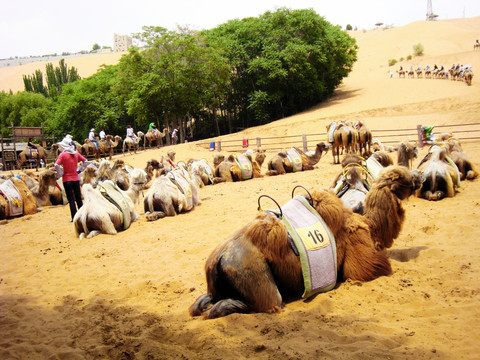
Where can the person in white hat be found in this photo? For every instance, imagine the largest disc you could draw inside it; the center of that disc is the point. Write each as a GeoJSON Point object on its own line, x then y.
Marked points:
{"type": "Point", "coordinates": [66, 166]}
{"type": "Point", "coordinates": [91, 137]}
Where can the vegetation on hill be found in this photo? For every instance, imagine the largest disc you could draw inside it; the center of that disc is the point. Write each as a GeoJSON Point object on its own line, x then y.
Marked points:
{"type": "Point", "coordinates": [242, 73]}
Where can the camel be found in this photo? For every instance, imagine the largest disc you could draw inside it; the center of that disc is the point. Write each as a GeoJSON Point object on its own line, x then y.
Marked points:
{"type": "Point", "coordinates": [150, 138]}
{"type": "Point", "coordinates": [378, 146]}
{"type": "Point", "coordinates": [460, 159]}
{"type": "Point", "coordinates": [100, 215]}
{"type": "Point", "coordinates": [246, 167]}
{"type": "Point", "coordinates": [407, 151]}
{"type": "Point", "coordinates": [339, 137]}
{"type": "Point", "coordinates": [32, 155]}
{"type": "Point", "coordinates": [468, 76]}
{"type": "Point", "coordinates": [41, 192]}
{"type": "Point", "coordinates": [89, 148]}
{"type": "Point", "coordinates": [130, 143]}
{"type": "Point", "coordinates": [201, 172]}
{"type": "Point", "coordinates": [22, 203]}
{"type": "Point", "coordinates": [295, 160]}
{"type": "Point", "coordinates": [440, 177]}
{"type": "Point", "coordinates": [109, 144]}
{"type": "Point", "coordinates": [171, 194]}
{"type": "Point", "coordinates": [256, 269]}
{"type": "Point", "coordinates": [364, 138]}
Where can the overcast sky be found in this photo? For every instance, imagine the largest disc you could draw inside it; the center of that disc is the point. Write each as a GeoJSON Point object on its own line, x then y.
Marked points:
{"type": "Point", "coordinates": [41, 27]}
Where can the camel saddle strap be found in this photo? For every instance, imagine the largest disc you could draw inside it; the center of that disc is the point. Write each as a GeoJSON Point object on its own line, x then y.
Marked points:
{"type": "Point", "coordinates": [183, 185]}
{"type": "Point", "coordinates": [245, 166]}
{"type": "Point", "coordinates": [113, 194]}
{"type": "Point", "coordinates": [315, 244]}
{"type": "Point", "coordinates": [295, 159]}
{"type": "Point", "coordinates": [13, 197]}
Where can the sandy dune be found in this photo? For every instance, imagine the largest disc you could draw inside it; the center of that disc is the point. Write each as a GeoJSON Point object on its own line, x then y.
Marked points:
{"type": "Point", "coordinates": [126, 296]}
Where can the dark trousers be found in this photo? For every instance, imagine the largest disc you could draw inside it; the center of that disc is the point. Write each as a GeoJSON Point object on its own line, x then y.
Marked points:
{"type": "Point", "coordinates": [72, 190]}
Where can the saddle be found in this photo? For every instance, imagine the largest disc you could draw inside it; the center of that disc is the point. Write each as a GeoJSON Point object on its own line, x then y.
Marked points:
{"type": "Point", "coordinates": [245, 166]}
{"type": "Point", "coordinates": [13, 197]}
{"type": "Point", "coordinates": [295, 159]}
{"type": "Point", "coordinates": [179, 179]}
{"type": "Point", "coordinates": [33, 154]}
{"type": "Point", "coordinates": [312, 241]}
{"type": "Point", "coordinates": [112, 193]}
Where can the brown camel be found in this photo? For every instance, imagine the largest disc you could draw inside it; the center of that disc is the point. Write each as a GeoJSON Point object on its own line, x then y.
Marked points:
{"type": "Point", "coordinates": [295, 160]}
{"type": "Point", "coordinates": [256, 269]}
{"type": "Point", "coordinates": [339, 137]}
{"type": "Point", "coordinates": [42, 192]}
{"type": "Point", "coordinates": [97, 153]}
{"type": "Point", "coordinates": [32, 155]}
{"type": "Point", "coordinates": [109, 144]}
{"type": "Point", "coordinates": [468, 76]}
{"type": "Point", "coordinates": [241, 170]}
{"type": "Point", "coordinates": [364, 138]}
{"type": "Point", "coordinates": [150, 138]}
{"type": "Point", "coordinates": [23, 202]}
{"type": "Point", "coordinates": [464, 165]}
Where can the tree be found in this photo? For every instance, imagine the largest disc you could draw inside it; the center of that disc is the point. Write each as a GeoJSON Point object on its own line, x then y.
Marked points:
{"type": "Point", "coordinates": [349, 27]}
{"type": "Point", "coordinates": [95, 47]}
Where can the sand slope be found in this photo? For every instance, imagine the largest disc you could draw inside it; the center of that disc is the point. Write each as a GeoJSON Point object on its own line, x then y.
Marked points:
{"type": "Point", "coordinates": [126, 296]}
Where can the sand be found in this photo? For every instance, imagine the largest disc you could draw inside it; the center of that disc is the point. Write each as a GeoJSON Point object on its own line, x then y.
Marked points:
{"type": "Point", "coordinates": [127, 296]}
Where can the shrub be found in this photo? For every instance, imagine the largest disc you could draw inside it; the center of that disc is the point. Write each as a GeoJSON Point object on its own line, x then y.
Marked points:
{"type": "Point", "coordinates": [401, 59]}
{"type": "Point", "coordinates": [409, 57]}
{"type": "Point", "coordinates": [392, 62]}
{"type": "Point", "coordinates": [349, 27]}
{"type": "Point", "coordinates": [418, 49]}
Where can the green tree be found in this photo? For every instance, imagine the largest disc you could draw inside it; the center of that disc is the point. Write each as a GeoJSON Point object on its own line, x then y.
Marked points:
{"type": "Point", "coordinates": [95, 47]}
{"type": "Point", "coordinates": [349, 27]}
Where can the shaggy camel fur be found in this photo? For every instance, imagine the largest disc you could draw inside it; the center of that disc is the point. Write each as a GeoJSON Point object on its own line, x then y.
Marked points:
{"type": "Point", "coordinates": [407, 151]}
{"type": "Point", "coordinates": [28, 201]}
{"type": "Point", "coordinates": [281, 163]}
{"type": "Point", "coordinates": [98, 215]}
{"type": "Point", "coordinates": [41, 192]}
{"type": "Point", "coordinates": [439, 176]}
{"type": "Point", "coordinates": [464, 165]}
{"type": "Point", "coordinates": [256, 270]}
{"type": "Point", "coordinates": [364, 138]}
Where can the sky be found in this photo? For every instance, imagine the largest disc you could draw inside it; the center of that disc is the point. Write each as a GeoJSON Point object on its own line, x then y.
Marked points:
{"type": "Point", "coordinates": [43, 27]}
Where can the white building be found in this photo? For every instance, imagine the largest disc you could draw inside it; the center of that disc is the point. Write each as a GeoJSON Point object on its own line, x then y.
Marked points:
{"type": "Point", "coordinates": [121, 43]}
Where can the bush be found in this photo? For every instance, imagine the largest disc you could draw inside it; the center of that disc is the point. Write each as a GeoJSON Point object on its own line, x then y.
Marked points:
{"type": "Point", "coordinates": [392, 62]}
{"type": "Point", "coordinates": [349, 27]}
{"type": "Point", "coordinates": [418, 49]}
{"type": "Point", "coordinates": [409, 57]}
{"type": "Point", "coordinates": [402, 58]}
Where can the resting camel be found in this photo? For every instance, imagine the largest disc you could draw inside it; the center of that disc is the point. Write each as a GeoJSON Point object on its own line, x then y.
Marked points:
{"type": "Point", "coordinates": [407, 151]}
{"type": "Point", "coordinates": [41, 192]}
{"type": "Point", "coordinates": [150, 138]}
{"type": "Point", "coordinates": [28, 204]}
{"type": "Point", "coordinates": [256, 269]}
{"type": "Point", "coordinates": [237, 167]}
{"type": "Point", "coordinates": [32, 155]}
{"type": "Point", "coordinates": [201, 171]}
{"type": "Point", "coordinates": [440, 178]}
{"type": "Point", "coordinates": [130, 144]}
{"type": "Point", "coordinates": [340, 137]}
{"type": "Point", "coordinates": [295, 160]}
{"type": "Point", "coordinates": [170, 194]}
{"type": "Point", "coordinates": [98, 215]}
{"type": "Point", "coordinates": [464, 165]}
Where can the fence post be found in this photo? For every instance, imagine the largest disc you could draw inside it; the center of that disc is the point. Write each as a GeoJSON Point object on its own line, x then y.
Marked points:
{"type": "Point", "coordinates": [420, 136]}
{"type": "Point", "coordinates": [259, 143]}
{"type": "Point", "coordinates": [219, 146]}
{"type": "Point", "coordinates": [304, 140]}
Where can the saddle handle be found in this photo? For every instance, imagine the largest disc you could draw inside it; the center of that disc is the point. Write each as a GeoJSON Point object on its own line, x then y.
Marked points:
{"type": "Point", "coordinates": [310, 200]}
{"type": "Point", "coordinates": [267, 196]}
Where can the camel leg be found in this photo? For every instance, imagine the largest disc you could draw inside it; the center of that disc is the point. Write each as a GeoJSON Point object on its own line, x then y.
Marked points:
{"type": "Point", "coordinates": [154, 215]}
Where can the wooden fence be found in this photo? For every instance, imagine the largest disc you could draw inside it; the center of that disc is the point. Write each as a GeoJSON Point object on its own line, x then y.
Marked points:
{"type": "Point", "coordinates": [463, 132]}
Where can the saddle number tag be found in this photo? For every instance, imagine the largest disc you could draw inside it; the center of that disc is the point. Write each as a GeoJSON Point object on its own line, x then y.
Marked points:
{"type": "Point", "coordinates": [297, 160]}
{"type": "Point", "coordinates": [314, 236]}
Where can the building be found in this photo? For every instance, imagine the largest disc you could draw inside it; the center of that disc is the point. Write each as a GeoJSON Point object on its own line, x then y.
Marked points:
{"type": "Point", "coordinates": [121, 43]}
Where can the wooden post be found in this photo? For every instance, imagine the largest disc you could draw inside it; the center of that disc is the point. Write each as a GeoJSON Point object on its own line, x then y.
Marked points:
{"type": "Point", "coordinates": [219, 146]}
{"type": "Point", "coordinates": [304, 140]}
{"type": "Point", "coordinates": [259, 143]}
{"type": "Point", "coordinates": [420, 136]}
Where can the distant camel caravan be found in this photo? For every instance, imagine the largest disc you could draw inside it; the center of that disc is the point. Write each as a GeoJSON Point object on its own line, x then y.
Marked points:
{"type": "Point", "coordinates": [456, 72]}
{"type": "Point", "coordinates": [257, 269]}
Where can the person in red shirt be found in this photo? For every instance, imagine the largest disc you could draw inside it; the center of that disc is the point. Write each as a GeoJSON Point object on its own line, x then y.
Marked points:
{"type": "Point", "coordinates": [69, 159]}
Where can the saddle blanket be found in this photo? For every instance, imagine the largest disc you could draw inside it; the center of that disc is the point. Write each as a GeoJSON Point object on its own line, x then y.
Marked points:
{"type": "Point", "coordinates": [373, 167]}
{"type": "Point", "coordinates": [295, 159]}
{"type": "Point", "coordinates": [14, 199]}
{"type": "Point", "coordinates": [245, 166]}
{"type": "Point", "coordinates": [315, 245]}
{"type": "Point", "coordinates": [208, 169]}
{"type": "Point", "coordinates": [114, 194]}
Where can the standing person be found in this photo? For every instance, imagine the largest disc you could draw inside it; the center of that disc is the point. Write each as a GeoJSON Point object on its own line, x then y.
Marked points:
{"type": "Point", "coordinates": [101, 134]}
{"type": "Point", "coordinates": [131, 134]}
{"type": "Point", "coordinates": [69, 159]}
{"type": "Point", "coordinates": [174, 136]}
{"type": "Point", "coordinates": [91, 137]}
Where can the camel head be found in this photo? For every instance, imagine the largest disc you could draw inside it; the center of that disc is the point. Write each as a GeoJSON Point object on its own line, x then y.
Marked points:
{"type": "Point", "coordinates": [171, 155]}
{"type": "Point", "coordinates": [401, 181]}
{"type": "Point", "coordinates": [217, 159]}
{"type": "Point", "coordinates": [260, 156]}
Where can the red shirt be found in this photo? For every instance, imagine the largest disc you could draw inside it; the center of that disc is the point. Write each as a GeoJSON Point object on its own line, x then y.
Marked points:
{"type": "Point", "coordinates": [69, 163]}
